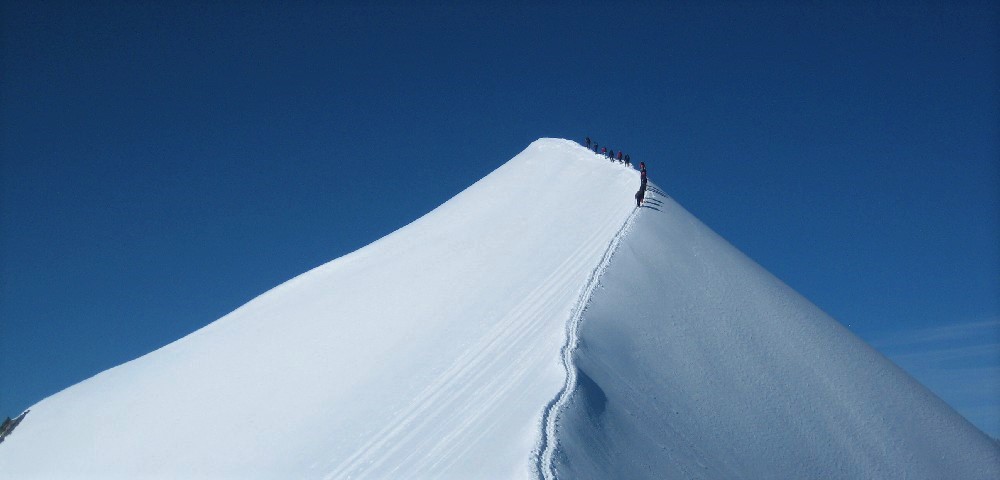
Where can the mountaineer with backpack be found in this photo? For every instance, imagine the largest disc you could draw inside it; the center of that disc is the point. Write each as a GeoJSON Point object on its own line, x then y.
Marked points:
{"type": "Point", "coordinates": [641, 194]}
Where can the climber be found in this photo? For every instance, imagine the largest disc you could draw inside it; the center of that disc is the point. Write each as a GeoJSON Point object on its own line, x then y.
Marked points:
{"type": "Point", "coordinates": [641, 194]}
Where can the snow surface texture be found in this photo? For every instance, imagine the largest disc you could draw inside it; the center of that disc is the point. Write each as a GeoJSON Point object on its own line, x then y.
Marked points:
{"type": "Point", "coordinates": [534, 325]}
{"type": "Point", "coordinates": [694, 362]}
{"type": "Point", "coordinates": [432, 352]}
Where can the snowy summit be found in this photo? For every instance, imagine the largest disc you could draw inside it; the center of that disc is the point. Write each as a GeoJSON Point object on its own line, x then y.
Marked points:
{"type": "Point", "coordinates": [536, 325]}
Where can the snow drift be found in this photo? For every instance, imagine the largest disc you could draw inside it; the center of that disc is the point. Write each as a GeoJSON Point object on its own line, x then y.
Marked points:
{"type": "Point", "coordinates": [536, 324]}
{"type": "Point", "coordinates": [431, 352]}
{"type": "Point", "coordinates": [694, 362]}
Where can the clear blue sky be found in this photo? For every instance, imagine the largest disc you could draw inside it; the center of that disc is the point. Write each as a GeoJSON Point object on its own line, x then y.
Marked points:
{"type": "Point", "coordinates": [165, 162]}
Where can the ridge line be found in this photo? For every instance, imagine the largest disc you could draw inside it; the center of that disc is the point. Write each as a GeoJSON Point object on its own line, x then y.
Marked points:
{"type": "Point", "coordinates": [545, 452]}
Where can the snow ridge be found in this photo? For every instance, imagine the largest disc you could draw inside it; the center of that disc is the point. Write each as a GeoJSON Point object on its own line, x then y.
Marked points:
{"type": "Point", "coordinates": [545, 470]}
{"type": "Point", "coordinates": [432, 351]}
{"type": "Point", "coordinates": [694, 362]}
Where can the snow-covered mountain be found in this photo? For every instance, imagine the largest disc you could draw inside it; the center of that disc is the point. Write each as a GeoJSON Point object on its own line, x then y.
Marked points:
{"type": "Point", "coordinates": [537, 324]}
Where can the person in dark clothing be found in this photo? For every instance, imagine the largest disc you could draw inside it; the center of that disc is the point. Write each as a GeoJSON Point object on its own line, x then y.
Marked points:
{"type": "Point", "coordinates": [628, 161]}
{"type": "Point", "coordinates": [588, 143]}
{"type": "Point", "coordinates": [641, 194]}
{"type": "Point", "coordinates": [595, 147]}
{"type": "Point", "coordinates": [619, 156]}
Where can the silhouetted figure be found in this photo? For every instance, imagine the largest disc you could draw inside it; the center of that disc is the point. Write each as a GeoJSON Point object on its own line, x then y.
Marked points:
{"type": "Point", "coordinates": [641, 194]}
{"type": "Point", "coordinates": [628, 161]}
{"type": "Point", "coordinates": [588, 143]}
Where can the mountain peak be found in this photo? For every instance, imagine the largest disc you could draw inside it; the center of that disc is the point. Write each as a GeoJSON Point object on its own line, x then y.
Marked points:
{"type": "Point", "coordinates": [536, 324]}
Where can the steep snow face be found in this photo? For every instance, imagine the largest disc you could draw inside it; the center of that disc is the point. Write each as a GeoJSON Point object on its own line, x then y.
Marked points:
{"type": "Point", "coordinates": [693, 362]}
{"type": "Point", "coordinates": [429, 353]}
{"type": "Point", "coordinates": [438, 352]}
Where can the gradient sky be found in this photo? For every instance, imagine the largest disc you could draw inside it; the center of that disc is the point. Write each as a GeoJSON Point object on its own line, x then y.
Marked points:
{"type": "Point", "coordinates": [162, 163]}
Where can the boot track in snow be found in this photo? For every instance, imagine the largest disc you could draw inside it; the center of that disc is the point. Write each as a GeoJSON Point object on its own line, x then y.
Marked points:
{"type": "Point", "coordinates": [547, 444]}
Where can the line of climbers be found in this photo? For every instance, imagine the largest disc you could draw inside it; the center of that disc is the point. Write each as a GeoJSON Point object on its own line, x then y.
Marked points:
{"type": "Point", "coordinates": [610, 153]}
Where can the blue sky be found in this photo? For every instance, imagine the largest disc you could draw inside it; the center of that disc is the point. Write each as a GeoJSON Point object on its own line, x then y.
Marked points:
{"type": "Point", "coordinates": [162, 163]}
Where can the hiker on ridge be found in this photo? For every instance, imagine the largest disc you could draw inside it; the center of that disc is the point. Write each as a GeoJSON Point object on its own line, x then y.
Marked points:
{"type": "Point", "coordinates": [641, 194]}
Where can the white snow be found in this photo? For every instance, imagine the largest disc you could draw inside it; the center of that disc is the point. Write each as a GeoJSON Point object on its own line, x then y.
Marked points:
{"type": "Point", "coordinates": [694, 362]}
{"type": "Point", "coordinates": [431, 352]}
{"type": "Point", "coordinates": [442, 350]}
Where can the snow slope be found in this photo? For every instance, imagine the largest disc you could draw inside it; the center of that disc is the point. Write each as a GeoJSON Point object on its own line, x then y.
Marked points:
{"type": "Point", "coordinates": [429, 353]}
{"type": "Point", "coordinates": [536, 324]}
{"type": "Point", "coordinates": [694, 362]}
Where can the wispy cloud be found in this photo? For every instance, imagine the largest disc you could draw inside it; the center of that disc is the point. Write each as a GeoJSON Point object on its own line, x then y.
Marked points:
{"type": "Point", "coordinates": [988, 330]}
{"type": "Point", "coordinates": [960, 362]}
{"type": "Point", "coordinates": [950, 354]}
